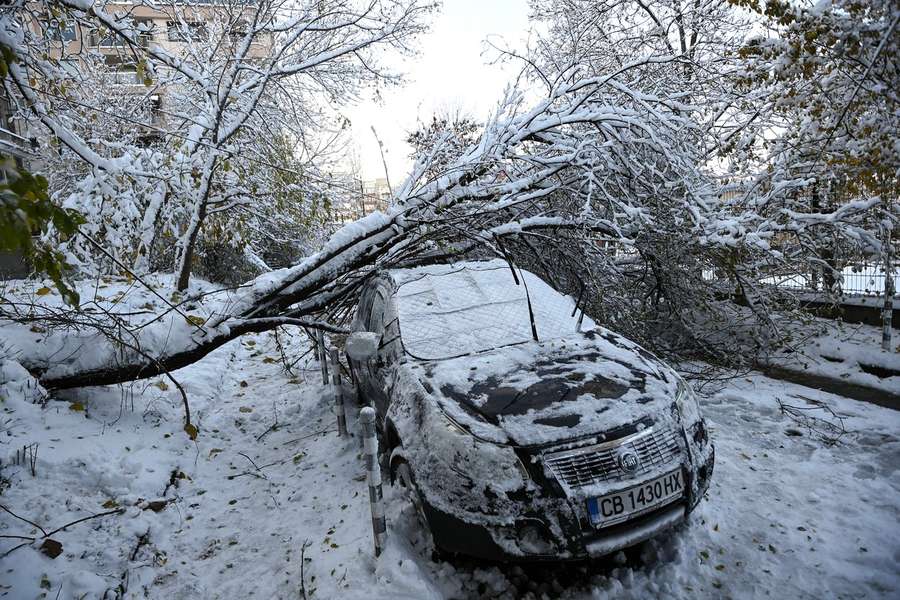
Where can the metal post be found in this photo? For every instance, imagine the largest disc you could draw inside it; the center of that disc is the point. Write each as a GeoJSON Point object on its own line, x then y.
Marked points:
{"type": "Point", "coordinates": [888, 310]}
{"type": "Point", "coordinates": [323, 355]}
{"type": "Point", "coordinates": [373, 476]}
{"type": "Point", "coordinates": [338, 392]}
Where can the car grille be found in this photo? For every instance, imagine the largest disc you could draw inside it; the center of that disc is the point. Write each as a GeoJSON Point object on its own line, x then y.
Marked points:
{"type": "Point", "coordinates": [578, 467]}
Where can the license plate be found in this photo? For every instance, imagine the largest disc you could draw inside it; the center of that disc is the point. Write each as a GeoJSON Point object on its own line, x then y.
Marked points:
{"type": "Point", "coordinates": [620, 506]}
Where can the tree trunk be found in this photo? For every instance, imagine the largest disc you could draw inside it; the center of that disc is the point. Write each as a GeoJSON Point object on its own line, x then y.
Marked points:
{"type": "Point", "coordinates": [140, 365]}
{"type": "Point", "coordinates": [186, 257]}
{"type": "Point", "coordinates": [186, 254]}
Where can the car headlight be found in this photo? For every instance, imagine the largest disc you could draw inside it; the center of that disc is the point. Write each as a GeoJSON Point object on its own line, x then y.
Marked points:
{"type": "Point", "coordinates": [687, 404]}
{"type": "Point", "coordinates": [473, 456]}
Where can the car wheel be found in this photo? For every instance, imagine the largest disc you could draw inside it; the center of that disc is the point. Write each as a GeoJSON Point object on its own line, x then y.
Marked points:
{"type": "Point", "coordinates": [402, 475]}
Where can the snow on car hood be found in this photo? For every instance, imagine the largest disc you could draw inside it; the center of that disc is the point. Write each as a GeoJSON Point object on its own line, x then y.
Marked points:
{"type": "Point", "coordinates": [553, 391]}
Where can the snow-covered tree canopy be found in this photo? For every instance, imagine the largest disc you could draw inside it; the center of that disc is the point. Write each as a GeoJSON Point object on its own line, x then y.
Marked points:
{"type": "Point", "coordinates": [181, 132]}
{"type": "Point", "coordinates": [447, 136]}
{"type": "Point", "coordinates": [759, 126]}
{"type": "Point", "coordinates": [827, 77]}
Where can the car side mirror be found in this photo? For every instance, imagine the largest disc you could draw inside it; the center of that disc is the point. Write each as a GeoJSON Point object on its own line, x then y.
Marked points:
{"type": "Point", "coordinates": [362, 346]}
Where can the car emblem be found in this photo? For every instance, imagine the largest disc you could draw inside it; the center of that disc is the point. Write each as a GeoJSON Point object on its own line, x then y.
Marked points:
{"type": "Point", "coordinates": [629, 461]}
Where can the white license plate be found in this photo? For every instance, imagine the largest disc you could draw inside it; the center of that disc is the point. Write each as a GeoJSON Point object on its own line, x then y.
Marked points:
{"type": "Point", "coordinates": [620, 506]}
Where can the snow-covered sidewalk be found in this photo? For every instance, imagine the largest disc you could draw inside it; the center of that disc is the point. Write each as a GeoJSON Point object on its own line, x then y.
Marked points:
{"type": "Point", "coordinates": [844, 352]}
{"type": "Point", "coordinates": [270, 503]}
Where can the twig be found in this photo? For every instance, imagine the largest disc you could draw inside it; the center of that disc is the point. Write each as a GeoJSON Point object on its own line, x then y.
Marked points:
{"type": "Point", "coordinates": [306, 543]}
{"type": "Point", "coordinates": [24, 519]}
{"type": "Point", "coordinates": [143, 540]}
{"type": "Point", "coordinates": [116, 511]}
{"type": "Point", "coordinates": [32, 459]}
{"type": "Point", "coordinates": [46, 534]}
{"type": "Point", "coordinates": [827, 431]}
{"type": "Point", "coordinates": [255, 466]}
{"type": "Point", "coordinates": [272, 427]}
{"type": "Point", "coordinates": [14, 548]}
{"type": "Point", "coordinates": [303, 437]}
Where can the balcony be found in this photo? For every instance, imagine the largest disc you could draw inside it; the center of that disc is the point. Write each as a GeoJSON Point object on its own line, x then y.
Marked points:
{"type": "Point", "coordinates": [110, 40]}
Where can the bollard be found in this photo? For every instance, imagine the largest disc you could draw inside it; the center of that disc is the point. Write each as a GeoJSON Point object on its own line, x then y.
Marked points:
{"type": "Point", "coordinates": [338, 392]}
{"type": "Point", "coordinates": [323, 355]}
{"type": "Point", "coordinates": [887, 310]}
{"type": "Point", "coordinates": [373, 476]}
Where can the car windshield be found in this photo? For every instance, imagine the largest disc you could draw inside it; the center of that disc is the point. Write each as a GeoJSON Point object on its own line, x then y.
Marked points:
{"type": "Point", "coordinates": [448, 311]}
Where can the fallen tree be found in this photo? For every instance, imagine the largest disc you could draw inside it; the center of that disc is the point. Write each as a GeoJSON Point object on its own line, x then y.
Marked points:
{"type": "Point", "coordinates": [523, 177]}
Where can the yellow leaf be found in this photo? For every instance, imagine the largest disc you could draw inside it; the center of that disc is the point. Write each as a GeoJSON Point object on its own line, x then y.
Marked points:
{"type": "Point", "coordinates": [245, 409]}
{"type": "Point", "coordinates": [162, 385]}
{"type": "Point", "coordinates": [191, 430]}
{"type": "Point", "coordinates": [269, 360]}
{"type": "Point", "coordinates": [110, 504]}
{"type": "Point", "coordinates": [43, 291]}
{"type": "Point", "coordinates": [195, 320]}
{"type": "Point", "coordinates": [76, 406]}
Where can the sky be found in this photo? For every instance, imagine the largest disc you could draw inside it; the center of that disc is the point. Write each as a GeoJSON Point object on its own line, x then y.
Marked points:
{"type": "Point", "coordinates": [451, 71]}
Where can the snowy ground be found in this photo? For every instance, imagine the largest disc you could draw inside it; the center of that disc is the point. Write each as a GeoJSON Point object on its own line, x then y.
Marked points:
{"type": "Point", "coordinates": [270, 503]}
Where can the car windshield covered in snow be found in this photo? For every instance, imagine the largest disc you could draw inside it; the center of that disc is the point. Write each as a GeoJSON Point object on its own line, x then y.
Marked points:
{"type": "Point", "coordinates": [451, 311]}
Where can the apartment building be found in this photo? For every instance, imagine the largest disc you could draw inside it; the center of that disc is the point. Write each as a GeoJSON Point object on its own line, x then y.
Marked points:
{"type": "Point", "coordinates": [362, 198]}
{"type": "Point", "coordinates": [170, 26]}
{"type": "Point", "coordinates": [376, 195]}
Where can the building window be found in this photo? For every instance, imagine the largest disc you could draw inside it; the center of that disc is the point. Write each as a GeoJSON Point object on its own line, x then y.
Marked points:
{"type": "Point", "coordinates": [143, 34]}
{"type": "Point", "coordinates": [61, 32]}
{"type": "Point", "coordinates": [120, 72]}
{"type": "Point", "coordinates": [239, 30]}
{"type": "Point", "coordinates": [186, 32]}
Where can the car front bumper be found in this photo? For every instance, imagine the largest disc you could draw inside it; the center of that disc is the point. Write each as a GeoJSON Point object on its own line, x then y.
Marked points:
{"type": "Point", "coordinates": [512, 539]}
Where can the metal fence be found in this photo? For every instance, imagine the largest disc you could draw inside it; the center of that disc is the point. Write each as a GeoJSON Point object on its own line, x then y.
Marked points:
{"type": "Point", "coordinates": [861, 279]}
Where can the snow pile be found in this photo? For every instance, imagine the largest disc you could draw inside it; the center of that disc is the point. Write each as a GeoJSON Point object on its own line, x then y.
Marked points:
{"type": "Point", "coordinates": [16, 382]}
{"type": "Point", "coordinates": [845, 352]}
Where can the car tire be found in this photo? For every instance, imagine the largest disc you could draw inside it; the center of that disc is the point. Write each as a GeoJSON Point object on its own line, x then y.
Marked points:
{"type": "Point", "coordinates": [402, 477]}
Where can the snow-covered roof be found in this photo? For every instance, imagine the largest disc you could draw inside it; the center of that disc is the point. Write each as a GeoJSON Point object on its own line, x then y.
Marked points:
{"type": "Point", "coordinates": [457, 309]}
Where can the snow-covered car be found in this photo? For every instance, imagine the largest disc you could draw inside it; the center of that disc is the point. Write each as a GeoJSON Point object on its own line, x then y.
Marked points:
{"type": "Point", "coordinates": [522, 430]}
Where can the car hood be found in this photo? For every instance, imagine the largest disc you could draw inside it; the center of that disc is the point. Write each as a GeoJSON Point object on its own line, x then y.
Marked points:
{"type": "Point", "coordinates": [548, 392]}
